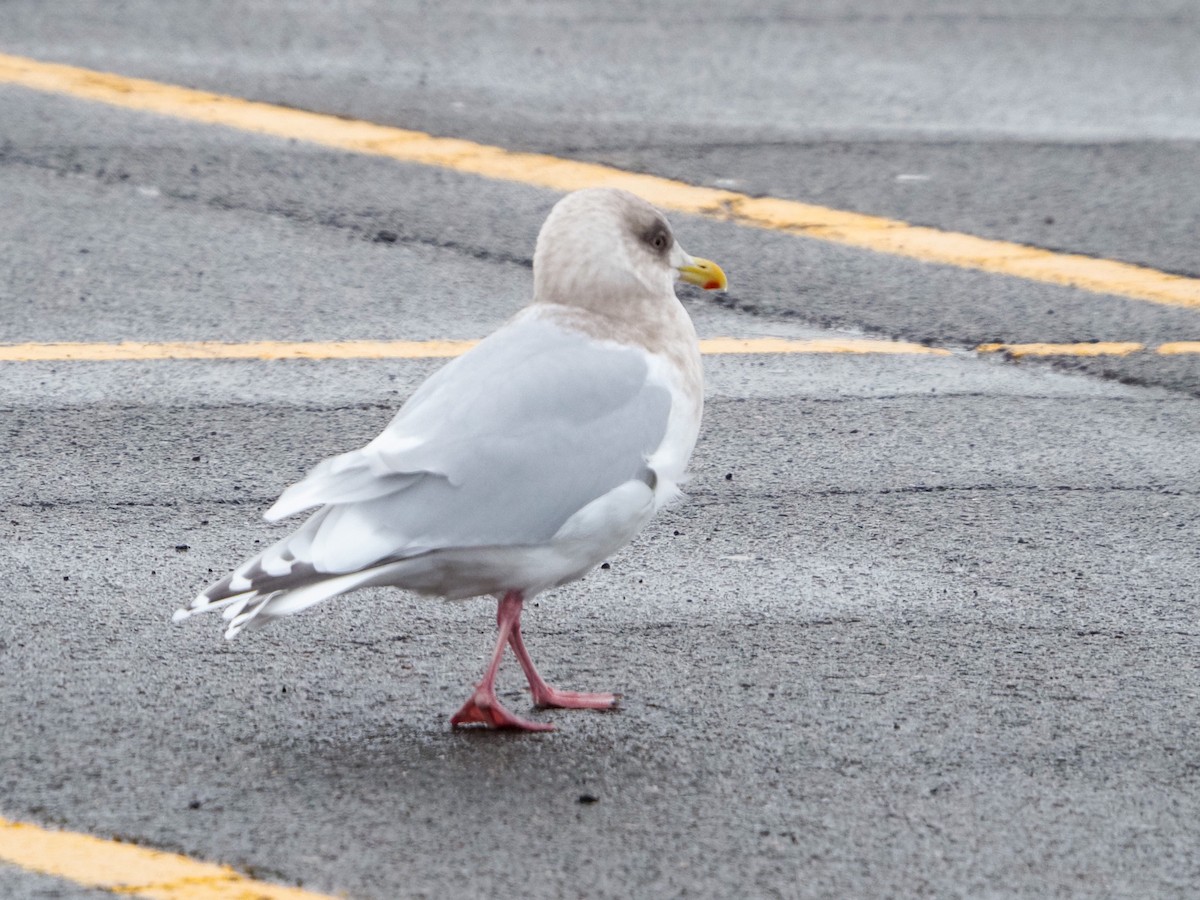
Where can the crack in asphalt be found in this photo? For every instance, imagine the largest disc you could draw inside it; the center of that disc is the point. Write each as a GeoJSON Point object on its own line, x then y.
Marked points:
{"type": "Point", "coordinates": [834, 140]}
{"type": "Point", "coordinates": [699, 498]}
{"type": "Point", "coordinates": [284, 408]}
{"type": "Point", "coordinates": [374, 227]}
{"type": "Point", "coordinates": [712, 498]}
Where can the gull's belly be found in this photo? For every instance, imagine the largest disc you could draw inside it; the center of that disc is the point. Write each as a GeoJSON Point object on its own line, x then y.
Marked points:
{"type": "Point", "coordinates": [589, 537]}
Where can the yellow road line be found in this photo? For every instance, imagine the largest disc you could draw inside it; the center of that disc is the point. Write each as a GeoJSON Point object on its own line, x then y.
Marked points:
{"type": "Point", "coordinates": [1176, 347]}
{"type": "Point", "coordinates": [1096, 348]}
{"type": "Point", "coordinates": [137, 351]}
{"type": "Point", "coordinates": [874, 233]}
{"type": "Point", "coordinates": [140, 350]}
{"type": "Point", "coordinates": [719, 346]}
{"type": "Point", "coordinates": [130, 870]}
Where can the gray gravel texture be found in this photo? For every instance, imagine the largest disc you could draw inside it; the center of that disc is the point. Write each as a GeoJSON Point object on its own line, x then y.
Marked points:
{"type": "Point", "coordinates": [926, 626]}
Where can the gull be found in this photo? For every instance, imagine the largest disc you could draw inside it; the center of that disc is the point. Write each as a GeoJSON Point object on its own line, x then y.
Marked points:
{"type": "Point", "coordinates": [522, 464]}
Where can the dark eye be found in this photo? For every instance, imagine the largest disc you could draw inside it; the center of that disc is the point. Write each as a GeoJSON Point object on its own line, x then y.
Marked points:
{"type": "Point", "coordinates": [658, 238]}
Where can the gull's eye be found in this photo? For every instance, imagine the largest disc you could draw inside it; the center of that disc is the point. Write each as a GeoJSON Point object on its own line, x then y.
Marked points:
{"type": "Point", "coordinates": [658, 238]}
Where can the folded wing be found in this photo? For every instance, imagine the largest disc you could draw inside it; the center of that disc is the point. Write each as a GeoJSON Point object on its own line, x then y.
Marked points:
{"type": "Point", "coordinates": [500, 447]}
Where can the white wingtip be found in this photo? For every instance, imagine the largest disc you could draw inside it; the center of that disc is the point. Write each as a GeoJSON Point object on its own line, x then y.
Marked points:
{"type": "Point", "coordinates": [243, 616]}
{"type": "Point", "coordinates": [202, 604]}
{"type": "Point", "coordinates": [294, 499]}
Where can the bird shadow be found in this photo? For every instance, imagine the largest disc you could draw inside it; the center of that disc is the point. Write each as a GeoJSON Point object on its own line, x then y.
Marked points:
{"type": "Point", "coordinates": [435, 753]}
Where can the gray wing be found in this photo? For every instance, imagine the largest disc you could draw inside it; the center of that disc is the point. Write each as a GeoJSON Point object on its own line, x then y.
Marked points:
{"type": "Point", "coordinates": [499, 447]}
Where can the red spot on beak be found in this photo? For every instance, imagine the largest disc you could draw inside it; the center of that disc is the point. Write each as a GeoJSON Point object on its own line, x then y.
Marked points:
{"type": "Point", "coordinates": [712, 285]}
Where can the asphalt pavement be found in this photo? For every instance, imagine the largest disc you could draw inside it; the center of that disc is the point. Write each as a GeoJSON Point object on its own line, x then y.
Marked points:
{"type": "Point", "coordinates": [925, 625]}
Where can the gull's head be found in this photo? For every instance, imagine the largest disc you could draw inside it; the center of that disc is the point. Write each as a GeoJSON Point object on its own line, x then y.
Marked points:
{"type": "Point", "coordinates": [603, 246]}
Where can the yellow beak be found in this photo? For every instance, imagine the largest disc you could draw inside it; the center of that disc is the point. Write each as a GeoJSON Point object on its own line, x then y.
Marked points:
{"type": "Point", "coordinates": [703, 273]}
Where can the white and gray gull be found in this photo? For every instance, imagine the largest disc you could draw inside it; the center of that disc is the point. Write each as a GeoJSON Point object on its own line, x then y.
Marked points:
{"type": "Point", "coordinates": [520, 465]}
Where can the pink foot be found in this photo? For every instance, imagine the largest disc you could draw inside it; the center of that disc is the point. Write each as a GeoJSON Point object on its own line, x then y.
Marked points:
{"type": "Point", "coordinates": [543, 694]}
{"type": "Point", "coordinates": [546, 696]}
{"type": "Point", "coordinates": [484, 708]}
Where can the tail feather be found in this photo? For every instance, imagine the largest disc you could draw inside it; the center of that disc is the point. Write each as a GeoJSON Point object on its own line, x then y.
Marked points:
{"type": "Point", "coordinates": [253, 609]}
{"type": "Point", "coordinates": [244, 593]}
{"type": "Point", "coordinates": [285, 564]}
{"type": "Point", "coordinates": [280, 581]}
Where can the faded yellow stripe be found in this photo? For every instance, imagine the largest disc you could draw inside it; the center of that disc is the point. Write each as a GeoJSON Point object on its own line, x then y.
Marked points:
{"type": "Point", "coordinates": [137, 351]}
{"type": "Point", "coordinates": [264, 350]}
{"type": "Point", "coordinates": [1095, 348]}
{"type": "Point", "coordinates": [142, 350]}
{"type": "Point", "coordinates": [130, 870]}
{"type": "Point", "coordinates": [717, 346]}
{"type": "Point", "coordinates": [821, 223]}
{"type": "Point", "coordinates": [1177, 347]}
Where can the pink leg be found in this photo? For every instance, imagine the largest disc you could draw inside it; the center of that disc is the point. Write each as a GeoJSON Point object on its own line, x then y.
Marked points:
{"type": "Point", "coordinates": [483, 706]}
{"type": "Point", "coordinates": [543, 694]}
